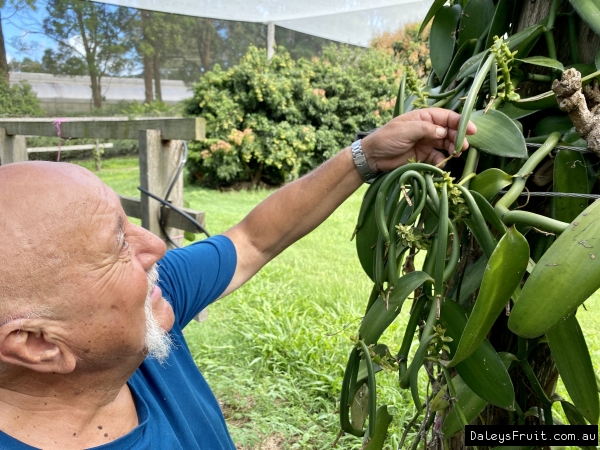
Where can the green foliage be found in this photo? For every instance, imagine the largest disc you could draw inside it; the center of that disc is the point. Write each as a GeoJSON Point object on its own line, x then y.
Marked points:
{"type": "Point", "coordinates": [275, 120]}
{"type": "Point", "coordinates": [18, 100]}
{"type": "Point", "coordinates": [62, 63]}
{"type": "Point", "coordinates": [25, 65]}
{"type": "Point", "coordinates": [153, 109]}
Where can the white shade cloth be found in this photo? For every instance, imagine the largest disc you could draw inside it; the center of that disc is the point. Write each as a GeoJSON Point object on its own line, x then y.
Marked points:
{"type": "Point", "coordinates": [353, 22]}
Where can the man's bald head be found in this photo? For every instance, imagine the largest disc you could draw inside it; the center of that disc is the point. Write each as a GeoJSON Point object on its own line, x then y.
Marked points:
{"type": "Point", "coordinates": [45, 212]}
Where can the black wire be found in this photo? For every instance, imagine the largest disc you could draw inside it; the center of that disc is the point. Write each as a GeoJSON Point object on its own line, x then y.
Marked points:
{"type": "Point", "coordinates": [563, 147]}
{"type": "Point", "coordinates": [176, 209]}
{"type": "Point", "coordinates": [554, 194]}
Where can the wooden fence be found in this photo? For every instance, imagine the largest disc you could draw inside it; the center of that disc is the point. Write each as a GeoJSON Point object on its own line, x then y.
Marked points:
{"type": "Point", "coordinates": [160, 150]}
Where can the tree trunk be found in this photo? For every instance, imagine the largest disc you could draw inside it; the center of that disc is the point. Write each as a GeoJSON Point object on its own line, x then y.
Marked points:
{"type": "Point", "coordinates": [203, 42]}
{"type": "Point", "coordinates": [90, 58]}
{"type": "Point", "coordinates": [270, 39]}
{"type": "Point", "coordinates": [147, 59]}
{"type": "Point", "coordinates": [3, 59]}
{"type": "Point", "coordinates": [96, 90]}
{"type": "Point", "coordinates": [206, 58]}
{"type": "Point", "coordinates": [157, 87]}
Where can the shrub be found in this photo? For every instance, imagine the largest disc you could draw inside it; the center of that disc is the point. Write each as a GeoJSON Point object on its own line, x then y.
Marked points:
{"type": "Point", "coordinates": [153, 109]}
{"type": "Point", "coordinates": [18, 99]}
{"type": "Point", "coordinates": [272, 121]}
{"type": "Point", "coordinates": [407, 47]}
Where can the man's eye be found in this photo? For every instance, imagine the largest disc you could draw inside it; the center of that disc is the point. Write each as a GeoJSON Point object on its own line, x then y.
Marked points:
{"type": "Point", "coordinates": [125, 246]}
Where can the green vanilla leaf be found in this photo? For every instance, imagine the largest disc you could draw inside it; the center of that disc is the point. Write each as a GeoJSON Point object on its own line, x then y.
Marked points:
{"type": "Point", "coordinates": [471, 404]}
{"type": "Point", "coordinates": [549, 124]}
{"type": "Point", "coordinates": [488, 213]}
{"type": "Point", "coordinates": [543, 61]}
{"type": "Point", "coordinates": [570, 175]}
{"type": "Point", "coordinates": [383, 312]}
{"type": "Point", "coordinates": [521, 42]}
{"type": "Point", "coordinates": [437, 4]}
{"type": "Point", "coordinates": [513, 111]}
{"type": "Point", "coordinates": [475, 19]}
{"type": "Point", "coordinates": [483, 371]}
{"type": "Point", "coordinates": [570, 261]}
{"type": "Point", "coordinates": [573, 416]}
{"type": "Point", "coordinates": [443, 37]}
{"type": "Point", "coordinates": [470, 65]}
{"type": "Point", "coordinates": [472, 279]}
{"type": "Point", "coordinates": [588, 10]}
{"type": "Point", "coordinates": [497, 134]}
{"type": "Point", "coordinates": [572, 357]}
{"type": "Point", "coordinates": [462, 55]}
{"type": "Point", "coordinates": [503, 17]}
{"type": "Point", "coordinates": [503, 273]}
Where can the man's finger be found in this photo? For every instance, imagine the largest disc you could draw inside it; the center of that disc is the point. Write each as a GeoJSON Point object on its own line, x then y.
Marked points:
{"type": "Point", "coordinates": [435, 157]}
{"type": "Point", "coordinates": [452, 138]}
{"type": "Point", "coordinates": [445, 118]}
{"type": "Point", "coordinates": [428, 131]}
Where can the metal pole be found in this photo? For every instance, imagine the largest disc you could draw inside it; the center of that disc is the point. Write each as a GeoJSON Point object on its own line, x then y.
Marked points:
{"type": "Point", "coordinates": [270, 40]}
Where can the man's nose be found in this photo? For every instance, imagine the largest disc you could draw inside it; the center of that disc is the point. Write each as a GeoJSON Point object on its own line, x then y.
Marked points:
{"type": "Point", "coordinates": [149, 249]}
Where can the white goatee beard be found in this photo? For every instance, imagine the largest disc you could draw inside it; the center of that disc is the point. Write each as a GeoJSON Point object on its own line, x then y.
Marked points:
{"type": "Point", "coordinates": [157, 341]}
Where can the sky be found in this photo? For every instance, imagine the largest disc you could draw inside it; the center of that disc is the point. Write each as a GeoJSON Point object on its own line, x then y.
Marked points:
{"type": "Point", "coordinates": [20, 26]}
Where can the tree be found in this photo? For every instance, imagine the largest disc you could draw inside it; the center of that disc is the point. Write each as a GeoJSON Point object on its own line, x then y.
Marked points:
{"type": "Point", "coordinates": [300, 45]}
{"type": "Point", "coordinates": [61, 63]}
{"type": "Point", "coordinates": [185, 48]}
{"type": "Point", "coordinates": [160, 39]}
{"type": "Point", "coordinates": [146, 49]}
{"type": "Point", "coordinates": [206, 40]}
{"type": "Point", "coordinates": [13, 6]}
{"type": "Point", "coordinates": [97, 34]}
{"type": "Point", "coordinates": [26, 65]}
{"type": "Point", "coordinates": [522, 250]}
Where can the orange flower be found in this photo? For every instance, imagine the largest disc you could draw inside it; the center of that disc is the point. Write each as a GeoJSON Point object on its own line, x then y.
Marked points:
{"type": "Point", "coordinates": [220, 145]}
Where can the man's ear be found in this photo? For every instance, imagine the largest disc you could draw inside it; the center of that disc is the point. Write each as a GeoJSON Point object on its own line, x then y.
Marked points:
{"type": "Point", "coordinates": [26, 343]}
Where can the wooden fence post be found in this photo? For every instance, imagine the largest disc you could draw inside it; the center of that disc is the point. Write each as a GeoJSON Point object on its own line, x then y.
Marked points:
{"type": "Point", "coordinates": [3, 146]}
{"type": "Point", "coordinates": [12, 148]}
{"type": "Point", "coordinates": [159, 161]}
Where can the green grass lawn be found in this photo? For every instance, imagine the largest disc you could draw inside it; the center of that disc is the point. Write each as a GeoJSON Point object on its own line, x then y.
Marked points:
{"type": "Point", "coordinates": [275, 350]}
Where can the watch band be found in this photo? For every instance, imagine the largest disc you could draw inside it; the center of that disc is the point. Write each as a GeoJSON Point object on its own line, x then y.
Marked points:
{"type": "Point", "coordinates": [361, 162]}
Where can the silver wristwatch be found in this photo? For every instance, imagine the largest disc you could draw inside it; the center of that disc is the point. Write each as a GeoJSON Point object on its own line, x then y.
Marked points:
{"type": "Point", "coordinates": [361, 162]}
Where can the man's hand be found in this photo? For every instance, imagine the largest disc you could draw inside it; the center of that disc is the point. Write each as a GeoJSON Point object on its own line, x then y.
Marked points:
{"type": "Point", "coordinates": [417, 135]}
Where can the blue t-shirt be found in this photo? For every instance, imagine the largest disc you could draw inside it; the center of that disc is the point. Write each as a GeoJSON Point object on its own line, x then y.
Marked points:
{"type": "Point", "coordinates": [176, 408]}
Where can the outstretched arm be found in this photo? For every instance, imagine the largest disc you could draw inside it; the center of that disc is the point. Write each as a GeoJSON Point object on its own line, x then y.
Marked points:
{"type": "Point", "coordinates": [299, 207]}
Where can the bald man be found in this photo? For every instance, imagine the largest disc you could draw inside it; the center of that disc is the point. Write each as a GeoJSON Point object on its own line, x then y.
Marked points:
{"type": "Point", "coordinates": [92, 353]}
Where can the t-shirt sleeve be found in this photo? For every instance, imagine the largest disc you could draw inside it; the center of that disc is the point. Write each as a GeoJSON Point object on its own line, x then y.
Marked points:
{"type": "Point", "coordinates": [192, 277]}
